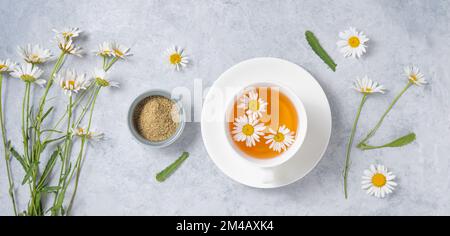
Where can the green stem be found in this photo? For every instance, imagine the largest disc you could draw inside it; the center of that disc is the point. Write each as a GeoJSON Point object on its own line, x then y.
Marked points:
{"type": "Point", "coordinates": [108, 66]}
{"type": "Point", "coordinates": [378, 125]}
{"type": "Point", "coordinates": [24, 122]}
{"type": "Point", "coordinates": [65, 161]}
{"type": "Point", "coordinates": [81, 154]}
{"type": "Point", "coordinates": [6, 149]}
{"type": "Point", "coordinates": [55, 70]}
{"type": "Point", "coordinates": [75, 104]}
{"type": "Point", "coordinates": [350, 143]}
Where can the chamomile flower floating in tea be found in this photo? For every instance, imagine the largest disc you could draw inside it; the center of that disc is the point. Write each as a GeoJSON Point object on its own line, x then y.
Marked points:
{"type": "Point", "coordinates": [120, 51]}
{"type": "Point", "coordinates": [176, 58]}
{"type": "Point", "coordinates": [378, 181]}
{"type": "Point", "coordinates": [34, 54]}
{"type": "Point", "coordinates": [67, 46]}
{"type": "Point", "coordinates": [255, 106]}
{"type": "Point", "coordinates": [71, 82]}
{"type": "Point", "coordinates": [248, 130]}
{"type": "Point", "coordinates": [83, 133]}
{"type": "Point", "coordinates": [281, 139]}
{"type": "Point", "coordinates": [415, 76]}
{"type": "Point", "coordinates": [104, 50]}
{"type": "Point", "coordinates": [7, 65]}
{"type": "Point", "coordinates": [276, 119]}
{"type": "Point", "coordinates": [367, 86]}
{"type": "Point", "coordinates": [352, 43]}
{"type": "Point", "coordinates": [101, 78]}
{"type": "Point", "coordinates": [68, 32]}
{"type": "Point", "coordinates": [28, 73]}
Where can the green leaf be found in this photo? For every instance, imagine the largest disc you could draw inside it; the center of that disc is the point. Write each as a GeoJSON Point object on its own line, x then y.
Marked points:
{"type": "Point", "coordinates": [168, 171]}
{"type": "Point", "coordinates": [19, 158]}
{"type": "Point", "coordinates": [46, 113]}
{"type": "Point", "coordinates": [318, 49]}
{"type": "Point", "coordinates": [403, 141]}
{"type": "Point", "coordinates": [400, 142]}
{"type": "Point", "coordinates": [50, 189]}
{"type": "Point", "coordinates": [48, 168]}
{"type": "Point", "coordinates": [27, 176]}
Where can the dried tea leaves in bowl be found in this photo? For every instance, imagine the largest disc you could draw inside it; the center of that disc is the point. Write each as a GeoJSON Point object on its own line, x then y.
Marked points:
{"type": "Point", "coordinates": [156, 118]}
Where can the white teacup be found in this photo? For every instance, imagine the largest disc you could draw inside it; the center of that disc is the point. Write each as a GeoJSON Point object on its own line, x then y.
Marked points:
{"type": "Point", "coordinates": [300, 133]}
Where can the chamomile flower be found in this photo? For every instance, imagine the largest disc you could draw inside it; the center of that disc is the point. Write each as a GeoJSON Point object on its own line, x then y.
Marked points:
{"type": "Point", "coordinates": [255, 106]}
{"type": "Point", "coordinates": [71, 82]}
{"type": "Point", "coordinates": [415, 76]}
{"type": "Point", "coordinates": [104, 50]}
{"type": "Point", "coordinates": [176, 58]}
{"type": "Point", "coordinates": [68, 47]}
{"type": "Point", "coordinates": [280, 140]}
{"type": "Point", "coordinates": [81, 132]}
{"type": "Point", "coordinates": [34, 54]}
{"type": "Point", "coordinates": [7, 65]}
{"type": "Point", "coordinates": [378, 181]}
{"type": "Point", "coordinates": [68, 33]}
{"type": "Point", "coordinates": [367, 86]}
{"type": "Point", "coordinates": [120, 51]}
{"type": "Point", "coordinates": [352, 43]}
{"type": "Point", "coordinates": [248, 130]}
{"type": "Point", "coordinates": [28, 73]}
{"type": "Point", "coordinates": [101, 78]}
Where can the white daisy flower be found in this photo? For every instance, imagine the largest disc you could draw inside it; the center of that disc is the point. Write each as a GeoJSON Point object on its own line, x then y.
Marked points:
{"type": "Point", "coordinates": [68, 47]}
{"type": "Point", "coordinates": [34, 54]}
{"type": "Point", "coordinates": [100, 77]}
{"type": "Point", "coordinates": [28, 73]}
{"type": "Point", "coordinates": [378, 182]}
{"type": "Point", "coordinates": [68, 33]}
{"type": "Point", "coordinates": [415, 76]}
{"type": "Point", "coordinates": [352, 43]}
{"type": "Point", "coordinates": [367, 86]}
{"type": "Point", "coordinates": [81, 132]}
{"type": "Point", "coordinates": [7, 65]}
{"type": "Point", "coordinates": [255, 106]}
{"type": "Point", "coordinates": [71, 82]}
{"type": "Point", "coordinates": [120, 51]}
{"type": "Point", "coordinates": [104, 50]}
{"type": "Point", "coordinates": [176, 57]}
{"type": "Point", "coordinates": [280, 140]}
{"type": "Point", "coordinates": [248, 130]}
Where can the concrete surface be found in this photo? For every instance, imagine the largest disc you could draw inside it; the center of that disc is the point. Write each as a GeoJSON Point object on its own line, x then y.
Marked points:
{"type": "Point", "coordinates": [118, 176]}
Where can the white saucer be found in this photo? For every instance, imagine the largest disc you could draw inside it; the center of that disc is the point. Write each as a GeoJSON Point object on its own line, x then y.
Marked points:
{"type": "Point", "coordinates": [260, 70]}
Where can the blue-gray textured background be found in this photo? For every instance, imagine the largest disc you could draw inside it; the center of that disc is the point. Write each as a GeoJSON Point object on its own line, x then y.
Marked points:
{"type": "Point", "coordinates": [118, 176]}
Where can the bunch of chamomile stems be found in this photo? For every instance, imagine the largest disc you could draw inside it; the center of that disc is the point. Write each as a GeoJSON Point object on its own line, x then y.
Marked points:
{"type": "Point", "coordinates": [52, 153]}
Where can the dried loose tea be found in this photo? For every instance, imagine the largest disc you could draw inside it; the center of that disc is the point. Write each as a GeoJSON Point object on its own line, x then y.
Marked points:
{"type": "Point", "coordinates": [156, 118]}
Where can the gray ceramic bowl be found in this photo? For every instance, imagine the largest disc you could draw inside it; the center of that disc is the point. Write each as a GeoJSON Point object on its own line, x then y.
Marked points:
{"type": "Point", "coordinates": [180, 128]}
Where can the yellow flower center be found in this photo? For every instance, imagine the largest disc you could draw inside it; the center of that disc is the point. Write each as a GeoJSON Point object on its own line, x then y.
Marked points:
{"type": "Point", "coordinates": [80, 131]}
{"type": "Point", "coordinates": [105, 52]}
{"type": "Point", "coordinates": [175, 58]}
{"type": "Point", "coordinates": [413, 78]}
{"type": "Point", "coordinates": [3, 67]}
{"type": "Point", "coordinates": [71, 84]}
{"type": "Point", "coordinates": [118, 53]}
{"type": "Point", "coordinates": [248, 130]}
{"type": "Point", "coordinates": [67, 34]}
{"type": "Point", "coordinates": [379, 180]}
{"type": "Point", "coordinates": [28, 78]}
{"type": "Point", "coordinates": [279, 137]}
{"type": "Point", "coordinates": [102, 82]}
{"type": "Point", "coordinates": [367, 90]}
{"type": "Point", "coordinates": [354, 42]}
{"type": "Point", "coordinates": [34, 57]}
{"type": "Point", "coordinates": [253, 105]}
